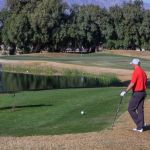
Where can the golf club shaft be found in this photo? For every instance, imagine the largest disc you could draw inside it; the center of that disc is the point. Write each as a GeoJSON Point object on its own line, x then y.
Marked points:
{"type": "Point", "coordinates": [118, 108]}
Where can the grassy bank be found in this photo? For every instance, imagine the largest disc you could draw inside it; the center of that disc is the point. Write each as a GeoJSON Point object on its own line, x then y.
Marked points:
{"type": "Point", "coordinates": [27, 76]}
{"type": "Point", "coordinates": [58, 111]}
{"type": "Point", "coordinates": [100, 60]}
{"type": "Point", "coordinates": [31, 69]}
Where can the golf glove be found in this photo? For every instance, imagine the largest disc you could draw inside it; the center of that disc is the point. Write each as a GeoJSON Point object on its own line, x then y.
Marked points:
{"type": "Point", "coordinates": [123, 93]}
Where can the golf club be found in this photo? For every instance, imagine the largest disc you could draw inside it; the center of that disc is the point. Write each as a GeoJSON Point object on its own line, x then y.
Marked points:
{"type": "Point", "coordinates": [118, 108]}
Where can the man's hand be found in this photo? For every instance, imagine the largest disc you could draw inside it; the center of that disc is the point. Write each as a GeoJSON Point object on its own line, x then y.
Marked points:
{"type": "Point", "coordinates": [122, 93]}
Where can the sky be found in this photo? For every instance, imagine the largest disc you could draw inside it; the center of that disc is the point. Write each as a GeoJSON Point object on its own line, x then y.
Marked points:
{"type": "Point", "coordinates": [2, 2]}
{"type": "Point", "coordinates": [147, 1]}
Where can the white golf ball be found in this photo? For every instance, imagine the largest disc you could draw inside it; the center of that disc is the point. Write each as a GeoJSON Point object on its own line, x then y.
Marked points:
{"type": "Point", "coordinates": [82, 112]}
{"type": "Point", "coordinates": [27, 71]}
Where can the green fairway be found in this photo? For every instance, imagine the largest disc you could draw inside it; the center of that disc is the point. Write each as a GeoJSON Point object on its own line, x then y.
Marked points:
{"type": "Point", "coordinates": [54, 112]}
{"type": "Point", "coordinates": [58, 111]}
{"type": "Point", "coordinates": [100, 59]}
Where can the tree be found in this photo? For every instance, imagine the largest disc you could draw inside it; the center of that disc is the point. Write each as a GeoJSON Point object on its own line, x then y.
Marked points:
{"type": "Point", "coordinates": [4, 15]}
{"type": "Point", "coordinates": [145, 30]}
{"type": "Point", "coordinates": [116, 14]}
{"type": "Point", "coordinates": [133, 16]}
{"type": "Point", "coordinates": [45, 21]}
{"type": "Point", "coordinates": [17, 32]}
{"type": "Point", "coordinates": [54, 25]}
{"type": "Point", "coordinates": [83, 30]}
{"type": "Point", "coordinates": [17, 5]}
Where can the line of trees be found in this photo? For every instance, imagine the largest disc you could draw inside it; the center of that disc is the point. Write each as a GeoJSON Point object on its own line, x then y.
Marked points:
{"type": "Point", "coordinates": [34, 25]}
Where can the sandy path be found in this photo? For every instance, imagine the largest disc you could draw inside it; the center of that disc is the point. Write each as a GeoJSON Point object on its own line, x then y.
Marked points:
{"type": "Point", "coordinates": [120, 138]}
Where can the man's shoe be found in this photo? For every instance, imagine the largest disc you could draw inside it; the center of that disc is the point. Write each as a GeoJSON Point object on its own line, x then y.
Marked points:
{"type": "Point", "coordinates": [138, 130]}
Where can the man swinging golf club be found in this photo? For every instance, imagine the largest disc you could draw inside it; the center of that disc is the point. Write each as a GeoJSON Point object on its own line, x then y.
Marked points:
{"type": "Point", "coordinates": [136, 104]}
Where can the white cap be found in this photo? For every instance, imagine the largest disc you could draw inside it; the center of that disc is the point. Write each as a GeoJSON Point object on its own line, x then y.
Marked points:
{"type": "Point", "coordinates": [135, 61]}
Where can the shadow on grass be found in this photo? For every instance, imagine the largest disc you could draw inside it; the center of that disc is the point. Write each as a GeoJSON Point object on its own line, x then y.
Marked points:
{"type": "Point", "coordinates": [24, 106]}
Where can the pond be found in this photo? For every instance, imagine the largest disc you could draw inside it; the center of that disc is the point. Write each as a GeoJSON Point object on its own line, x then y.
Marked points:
{"type": "Point", "coordinates": [23, 82]}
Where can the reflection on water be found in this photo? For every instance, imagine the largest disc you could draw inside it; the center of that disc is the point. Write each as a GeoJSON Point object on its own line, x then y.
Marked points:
{"type": "Point", "coordinates": [22, 82]}
{"type": "Point", "coordinates": [1, 85]}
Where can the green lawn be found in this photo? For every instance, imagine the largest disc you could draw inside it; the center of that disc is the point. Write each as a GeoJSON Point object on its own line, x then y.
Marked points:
{"type": "Point", "coordinates": [100, 59]}
{"type": "Point", "coordinates": [58, 111]}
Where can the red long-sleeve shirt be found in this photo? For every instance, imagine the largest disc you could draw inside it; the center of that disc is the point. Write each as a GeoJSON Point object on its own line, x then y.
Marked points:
{"type": "Point", "coordinates": [139, 79]}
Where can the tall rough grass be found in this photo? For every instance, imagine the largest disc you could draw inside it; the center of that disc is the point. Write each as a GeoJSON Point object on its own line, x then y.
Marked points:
{"type": "Point", "coordinates": [39, 70]}
{"type": "Point", "coordinates": [102, 80]}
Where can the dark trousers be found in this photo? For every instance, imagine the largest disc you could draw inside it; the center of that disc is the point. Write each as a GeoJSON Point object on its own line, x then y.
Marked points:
{"type": "Point", "coordinates": [136, 108]}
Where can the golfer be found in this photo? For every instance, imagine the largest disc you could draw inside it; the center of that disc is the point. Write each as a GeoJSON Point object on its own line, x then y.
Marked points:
{"type": "Point", "coordinates": [136, 104]}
